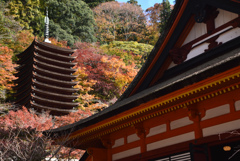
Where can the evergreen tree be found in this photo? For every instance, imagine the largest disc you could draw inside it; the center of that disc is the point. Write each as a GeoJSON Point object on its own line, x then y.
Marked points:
{"type": "Point", "coordinates": [165, 13]}
{"type": "Point", "coordinates": [28, 14]}
{"type": "Point", "coordinates": [8, 26]}
{"type": "Point", "coordinates": [71, 20]}
{"type": "Point", "coordinates": [94, 3]}
{"type": "Point", "coordinates": [134, 2]}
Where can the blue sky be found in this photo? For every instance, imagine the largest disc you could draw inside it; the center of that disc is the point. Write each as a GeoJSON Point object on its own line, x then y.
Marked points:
{"type": "Point", "coordinates": [147, 3]}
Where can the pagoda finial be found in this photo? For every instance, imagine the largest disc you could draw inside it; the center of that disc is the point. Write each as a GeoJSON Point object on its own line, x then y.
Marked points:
{"type": "Point", "coordinates": [46, 33]}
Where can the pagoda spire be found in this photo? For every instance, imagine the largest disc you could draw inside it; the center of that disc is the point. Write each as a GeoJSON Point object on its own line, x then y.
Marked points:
{"type": "Point", "coordinates": [46, 33]}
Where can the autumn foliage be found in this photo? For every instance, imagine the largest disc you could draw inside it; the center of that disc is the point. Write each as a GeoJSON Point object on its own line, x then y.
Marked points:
{"type": "Point", "coordinates": [21, 137]}
{"type": "Point", "coordinates": [158, 16]}
{"type": "Point", "coordinates": [6, 68]}
{"type": "Point", "coordinates": [119, 21]}
{"type": "Point", "coordinates": [23, 119]}
{"type": "Point", "coordinates": [103, 72]}
{"type": "Point", "coordinates": [102, 76]}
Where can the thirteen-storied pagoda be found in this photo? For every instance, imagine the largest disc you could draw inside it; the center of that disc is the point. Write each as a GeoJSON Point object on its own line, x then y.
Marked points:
{"type": "Point", "coordinates": [45, 78]}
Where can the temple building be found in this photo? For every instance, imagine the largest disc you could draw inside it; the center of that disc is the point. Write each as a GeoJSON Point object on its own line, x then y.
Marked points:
{"type": "Point", "coordinates": [184, 104]}
{"type": "Point", "coordinates": [45, 79]}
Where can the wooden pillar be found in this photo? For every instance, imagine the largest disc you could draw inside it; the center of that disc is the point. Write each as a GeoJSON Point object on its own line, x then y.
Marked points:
{"type": "Point", "coordinates": [107, 143]}
{"type": "Point", "coordinates": [97, 154]}
{"type": "Point", "coordinates": [196, 116]}
{"type": "Point", "coordinates": [142, 133]}
{"type": "Point", "coordinates": [232, 105]}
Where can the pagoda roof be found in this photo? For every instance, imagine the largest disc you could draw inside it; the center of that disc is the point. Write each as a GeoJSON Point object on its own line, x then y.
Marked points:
{"type": "Point", "coordinates": [53, 74]}
{"type": "Point", "coordinates": [54, 61]}
{"type": "Point", "coordinates": [49, 80]}
{"type": "Point", "coordinates": [53, 67]}
{"type": "Point", "coordinates": [55, 103]}
{"type": "Point", "coordinates": [46, 47]}
{"type": "Point", "coordinates": [21, 86]}
{"type": "Point", "coordinates": [156, 79]}
{"type": "Point", "coordinates": [21, 92]}
{"type": "Point", "coordinates": [52, 87]}
{"type": "Point", "coordinates": [26, 59]}
{"type": "Point", "coordinates": [24, 100]}
{"type": "Point", "coordinates": [54, 55]}
{"type": "Point", "coordinates": [58, 95]}
{"type": "Point", "coordinates": [23, 67]}
{"type": "Point", "coordinates": [54, 48]}
{"type": "Point", "coordinates": [22, 72]}
{"type": "Point", "coordinates": [30, 48]}
{"type": "Point", "coordinates": [52, 109]}
{"type": "Point", "coordinates": [24, 78]}
{"type": "Point", "coordinates": [20, 67]}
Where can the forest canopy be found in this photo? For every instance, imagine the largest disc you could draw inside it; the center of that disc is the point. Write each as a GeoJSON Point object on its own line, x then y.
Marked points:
{"type": "Point", "coordinates": [70, 20]}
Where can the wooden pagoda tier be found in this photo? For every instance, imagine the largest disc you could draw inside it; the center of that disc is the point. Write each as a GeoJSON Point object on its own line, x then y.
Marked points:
{"type": "Point", "coordinates": [184, 104]}
{"type": "Point", "coordinates": [45, 79]}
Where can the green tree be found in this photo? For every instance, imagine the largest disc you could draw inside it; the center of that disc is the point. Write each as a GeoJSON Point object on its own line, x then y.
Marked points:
{"type": "Point", "coordinates": [158, 16]}
{"type": "Point", "coordinates": [28, 13]}
{"type": "Point", "coordinates": [134, 2]}
{"type": "Point", "coordinates": [165, 13]}
{"type": "Point", "coordinates": [94, 3]}
{"type": "Point", "coordinates": [129, 51]}
{"type": "Point", "coordinates": [8, 26]}
{"type": "Point", "coordinates": [4, 1]}
{"type": "Point", "coordinates": [71, 20]}
{"type": "Point", "coordinates": [67, 18]}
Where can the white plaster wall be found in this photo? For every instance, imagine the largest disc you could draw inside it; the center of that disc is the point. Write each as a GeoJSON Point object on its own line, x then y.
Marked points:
{"type": "Point", "coordinates": [132, 138]}
{"type": "Point", "coordinates": [197, 51]}
{"type": "Point", "coordinates": [224, 17]}
{"type": "Point", "coordinates": [221, 128]}
{"type": "Point", "coordinates": [198, 30]}
{"type": "Point", "coordinates": [237, 105]}
{"type": "Point", "coordinates": [225, 37]}
{"type": "Point", "coordinates": [157, 130]}
{"type": "Point", "coordinates": [172, 65]}
{"type": "Point", "coordinates": [126, 153]}
{"type": "Point", "coordinates": [118, 142]}
{"type": "Point", "coordinates": [229, 35]}
{"type": "Point", "coordinates": [180, 123]}
{"type": "Point", "coordinates": [217, 111]}
{"type": "Point", "coordinates": [171, 141]}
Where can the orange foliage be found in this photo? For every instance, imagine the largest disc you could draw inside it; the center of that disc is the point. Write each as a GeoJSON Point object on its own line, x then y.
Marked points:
{"type": "Point", "coordinates": [62, 43]}
{"type": "Point", "coordinates": [119, 21]}
{"type": "Point", "coordinates": [118, 71]}
{"type": "Point", "coordinates": [103, 77]}
{"type": "Point", "coordinates": [6, 68]}
{"type": "Point", "coordinates": [85, 86]}
{"type": "Point", "coordinates": [23, 39]}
